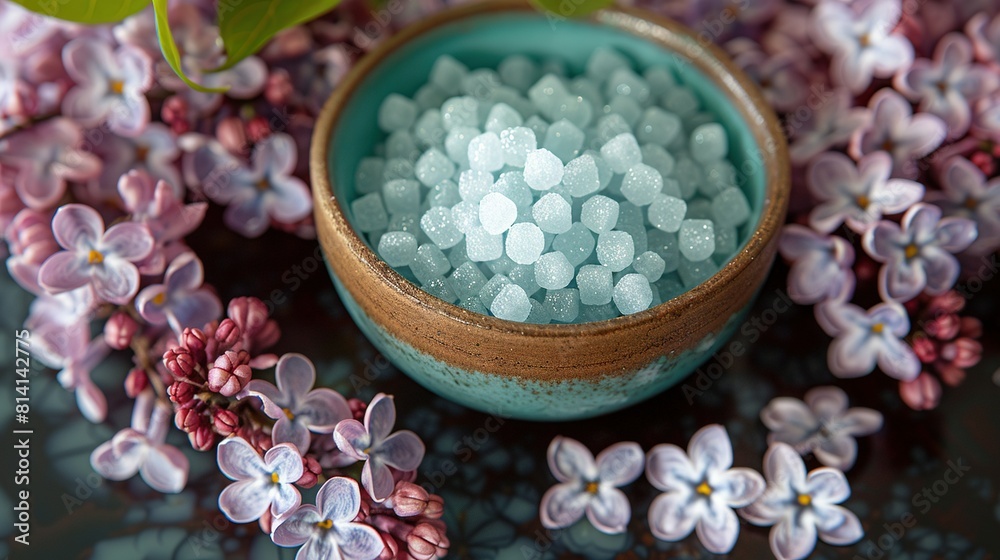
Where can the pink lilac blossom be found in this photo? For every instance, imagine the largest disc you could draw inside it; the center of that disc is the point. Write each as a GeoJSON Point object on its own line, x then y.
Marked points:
{"type": "Point", "coordinates": [154, 151]}
{"type": "Point", "coordinates": [262, 483]}
{"type": "Point", "coordinates": [966, 193]}
{"type": "Point", "coordinates": [30, 241]}
{"type": "Point", "coordinates": [864, 339]}
{"type": "Point", "coordinates": [985, 35]}
{"type": "Point", "coordinates": [69, 349]}
{"type": "Point", "coordinates": [110, 85]}
{"type": "Point", "coordinates": [895, 129]}
{"type": "Point", "coordinates": [180, 301]}
{"type": "Point", "coordinates": [830, 124]}
{"type": "Point", "coordinates": [821, 265]}
{"type": "Point", "coordinates": [700, 489]}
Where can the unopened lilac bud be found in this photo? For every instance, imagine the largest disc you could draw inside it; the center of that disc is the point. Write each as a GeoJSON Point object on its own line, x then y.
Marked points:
{"type": "Point", "coordinates": [188, 419]}
{"type": "Point", "coordinates": [230, 374]}
{"type": "Point", "coordinates": [227, 333]}
{"type": "Point", "coordinates": [202, 439]}
{"type": "Point", "coordinates": [181, 392]}
{"type": "Point", "coordinates": [179, 362]}
{"type": "Point", "coordinates": [175, 113]}
{"type": "Point", "coordinates": [232, 134]}
{"type": "Point", "coordinates": [408, 499]}
{"type": "Point", "coordinates": [195, 340]}
{"type": "Point", "coordinates": [225, 421]}
{"type": "Point", "coordinates": [427, 541]}
{"type": "Point", "coordinates": [119, 330]}
{"type": "Point", "coordinates": [136, 382]}
{"type": "Point", "coordinates": [278, 89]}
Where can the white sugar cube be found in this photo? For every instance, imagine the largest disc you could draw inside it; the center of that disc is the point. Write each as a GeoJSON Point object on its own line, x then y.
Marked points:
{"type": "Point", "coordinates": [650, 264]}
{"type": "Point", "coordinates": [658, 158]}
{"type": "Point", "coordinates": [542, 170]}
{"type": "Point", "coordinates": [525, 243]}
{"type": "Point", "coordinates": [595, 284]}
{"type": "Point", "coordinates": [492, 288]}
{"type": "Point", "coordinates": [553, 271]}
{"type": "Point", "coordinates": [577, 244]}
{"type": "Point", "coordinates": [563, 305]}
{"type": "Point", "coordinates": [445, 194]}
{"type": "Point", "coordinates": [627, 107]}
{"type": "Point", "coordinates": [518, 71]}
{"type": "Point", "coordinates": [460, 111]}
{"type": "Point", "coordinates": [694, 273]}
{"type": "Point", "coordinates": [397, 248]}
{"type": "Point", "coordinates": [396, 113]}
{"type": "Point", "coordinates": [538, 125]}
{"type": "Point", "coordinates": [599, 213]}
{"type": "Point", "coordinates": [730, 208]}
{"type": "Point", "coordinates": [497, 213]}
{"type": "Point", "coordinates": [641, 184]}
{"type": "Point", "coordinates": [511, 303]}
{"type": "Point", "coordinates": [615, 250]}
{"type": "Point", "coordinates": [667, 212]}
{"type": "Point", "coordinates": [483, 246]}
{"type": "Point", "coordinates": [406, 221]}
{"type": "Point", "coordinates": [547, 93]}
{"type": "Point", "coordinates": [429, 129]}
{"type": "Point", "coordinates": [512, 185]}
{"type": "Point", "coordinates": [516, 144]}
{"type": "Point", "coordinates": [467, 280]}
{"type": "Point", "coordinates": [368, 176]}
{"type": "Point", "coordinates": [632, 294]}
{"type": "Point", "coordinates": [581, 176]}
{"type": "Point", "coordinates": [440, 288]}
{"type": "Point", "coordinates": [622, 152]}
{"type": "Point", "coordinates": [610, 126]}
{"type": "Point", "coordinates": [440, 228]}
{"type": "Point", "coordinates": [397, 168]}
{"type": "Point", "coordinates": [539, 314]}
{"type": "Point", "coordinates": [709, 143]}
{"type": "Point", "coordinates": [658, 127]}
{"type": "Point", "coordinates": [524, 275]}
{"type": "Point", "coordinates": [429, 263]}
{"type": "Point", "coordinates": [563, 139]}
{"type": "Point", "coordinates": [474, 185]}
{"type": "Point", "coordinates": [465, 214]}
{"type": "Point", "coordinates": [433, 167]}
{"type": "Point", "coordinates": [697, 239]}
{"type": "Point", "coordinates": [689, 176]}
{"type": "Point", "coordinates": [502, 117]}
{"type": "Point", "coordinates": [456, 143]}
{"type": "Point", "coordinates": [625, 82]}
{"type": "Point", "coordinates": [552, 213]}
{"type": "Point", "coordinates": [665, 245]}
{"type": "Point", "coordinates": [447, 74]}
{"type": "Point", "coordinates": [485, 152]}
{"type": "Point", "coordinates": [718, 176]}
{"type": "Point", "coordinates": [369, 213]}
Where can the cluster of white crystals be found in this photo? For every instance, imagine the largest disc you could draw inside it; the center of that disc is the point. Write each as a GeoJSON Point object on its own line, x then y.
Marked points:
{"type": "Point", "coordinates": [533, 196]}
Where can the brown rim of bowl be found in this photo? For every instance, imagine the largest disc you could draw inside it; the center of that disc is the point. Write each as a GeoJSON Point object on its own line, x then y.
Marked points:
{"type": "Point", "coordinates": [673, 36]}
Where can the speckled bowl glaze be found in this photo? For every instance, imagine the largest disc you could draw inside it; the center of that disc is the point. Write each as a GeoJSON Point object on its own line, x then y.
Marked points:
{"type": "Point", "coordinates": [543, 372]}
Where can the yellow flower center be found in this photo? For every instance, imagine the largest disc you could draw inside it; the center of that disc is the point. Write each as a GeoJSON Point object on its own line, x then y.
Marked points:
{"type": "Point", "coordinates": [160, 298]}
{"type": "Point", "coordinates": [862, 201]}
{"type": "Point", "coordinates": [274, 477]}
{"type": "Point", "coordinates": [704, 489]}
{"type": "Point", "coordinates": [591, 488]}
{"type": "Point", "coordinates": [877, 328]}
{"type": "Point", "coordinates": [141, 153]}
{"type": "Point", "coordinates": [864, 40]}
{"type": "Point", "coordinates": [804, 499]}
{"type": "Point", "coordinates": [888, 145]}
{"type": "Point", "coordinates": [971, 203]}
{"type": "Point", "coordinates": [912, 251]}
{"type": "Point", "coordinates": [325, 524]}
{"type": "Point", "coordinates": [263, 185]}
{"type": "Point", "coordinates": [95, 257]}
{"type": "Point", "coordinates": [116, 86]}
{"type": "Point", "coordinates": [288, 413]}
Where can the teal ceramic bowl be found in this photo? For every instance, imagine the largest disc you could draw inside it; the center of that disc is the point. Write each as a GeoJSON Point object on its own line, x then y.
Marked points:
{"type": "Point", "coordinates": [543, 372]}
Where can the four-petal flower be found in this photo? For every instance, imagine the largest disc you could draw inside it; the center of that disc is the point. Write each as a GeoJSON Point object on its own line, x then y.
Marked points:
{"type": "Point", "coordinates": [110, 85]}
{"type": "Point", "coordinates": [700, 489]}
{"type": "Point", "coordinates": [830, 125]}
{"type": "Point", "coordinates": [589, 486]}
{"type": "Point", "coordinates": [865, 339]}
{"type": "Point", "coordinates": [966, 193]}
{"type": "Point", "coordinates": [802, 506]}
{"type": "Point", "coordinates": [262, 483]}
{"type": "Point", "coordinates": [821, 265]}
{"type": "Point", "coordinates": [895, 129]}
{"type": "Point", "coordinates": [180, 301]}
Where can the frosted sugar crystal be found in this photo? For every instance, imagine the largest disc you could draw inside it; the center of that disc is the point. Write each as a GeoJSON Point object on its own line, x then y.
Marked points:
{"type": "Point", "coordinates": [730, 207]}
{"type": "Point", "coordinates": [539, 314]}
{"type": "Point", "coordinates": [726, 241]}
{"type": "Point", "coordinates": [429, 96]}
{"type": "Point", "coordinates": [460, 111]}
{"type": "Point", "coordinates": [563, 305]}
{"type": "Point", "coordinates": [467, 280]}
{"type": "Point", "coordinates": [474, 305]}
{"type": "Point", "coordinates": [563, 139]}
{"type": "Point", "coordinates": [401, 195]}
{"type": "Point", "coordinates": [610, 126]}
{"type": "Point", "coordinates": [594, 313]}
{"type": "Point", "coordinates": [518, 71]}
{"type": "Point", "coordinates": [599, 213]}
{"type": "Point", "coordinates": [492, 288]}
{"type": "Point", "coordinates": [689, 176]}
{"type": "Point", "coordinates": [511, 303]}
{"type": "Point", "coordinates": [368, 176]}
{"type": "Point", "coordinates": [660, 80]}
{"type": "Point", "coordinates": [581, 176]}
{"type": "Point", "coordinates": [369, 213]}
{"type": "Point", "coordinates": [474, 185]}
{"type": "Point", "coordinates": [440, 288]}
{"type": "Point", "coordinates": [621, 152]}
{"type": "Point", "coordinates": [627, 108]}
{"type": "Point", "coordinates": [595, 284]}
{"type": "Point", "coordinates": [525, 243]}
{"type": "Point", "coordinates": [483, 246]}
{"type": "Point", "coordinates": [497, 213]}
{"type": "Point", "coordinates": [658, 158]}
{"type": "Point", "coordinates": [603, 62]}
{"type": "Point", "coordinates": [538, 125]}
{"type": "Point", "coordinates": [632, 294]}
{"type": "Point", "coordinates": [524, 275]}
{"type": "Point", "coordinates": [625, 82]}
{"type": "Point", "coordinates": [587, 89]}
{"type": "Point", "coordinates": [553, 271]}
{"type": "Point", "coordinates": [485, 152]}
{"type": "Point", "coordinates": [396, 113]}
{"type": "Point", "coordinates": [650, 264]}
{"type": "Point", "coordinates": [440, 228]}
{"type": "Point", "coordinates": [429, 129]}
{"type": "Point", "coordinates": [444, 194]}
{"type": "Point", "coordinates": [548, 93]}
{"type": "Point", "coordinates": [552, 213]}
{"type": "Point", "coordinates": [408, 222]}
{"type": "Point", "coordinates": [516, 143]}
{"type": "Point", "coordinates": [502, 117]}
{"type": "Point", "coordinates": [573, 108]}
{"type": "Point", "coordinates": [615, 250]}
{"type": "Point", "coordinates": [465, 214]}
{"type": "Point", "coordinates": [718, 176]}
{"type": "Point", "coordinates": [456, 143]}
{"type": "Point", "coordinates": [398, 168]}
{"type": "Point", "coordinates": [709, 143]}
{"type": "Point", "coordinates": [658, 127]}
{"type": "Point", "coordinates": [481, 83]}
{"type": "Point", "coordinates": [694, 273]}
{"type": "Point", "coordinates": [542, 170]}
{"type": "Point", "coordinates": [433, 167]}
{"type": "Point", "coordinates": [447, 74]}
{"type": "Point", "coordinates": [667, 212]}
{"type": "Point", "coordinates": [641, 184]}
{"type": "Point", "coordinates": [512, 185]}
{"type": "Point", "coordinates": [697, 239]}
{"type": "Point", "coordinates": [502, 264]}
{"type": "Point", "coordinates": [680, 101]}
{"type": "Point", "coordinates": [699, 209]}
{"type": "Point", "coordinates": [397, 248]}
{"type": "Point", "coordinates": [577, 244]}
{"type": "Point", "coordinates": [401, 145]}
{"type": "Point", "coordinates": [429, 263]}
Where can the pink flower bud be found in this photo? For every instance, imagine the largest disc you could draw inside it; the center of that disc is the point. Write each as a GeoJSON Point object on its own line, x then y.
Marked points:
{"type": "Point", "coordinates": [188, 419]}
{"type": "Point", "coordinates": [225, 421]}
{"type": "Point", "coordinates": [175, 113]}
{"type": "Point", "coordinates": [230, 374]}
{"type": "Point", "coordinates": [232, 134]}
{"type": "Point", "coordinates": [249, 313]}
{"type": "Point", "coordinates": [136, 382]}
{"type": "Point", "coordinates": [119, 330]}
{"type": "Point", "coordinates": [180, 362]}
{"type": "Point", "coordinates": [195, 340]}
{"type": "Point", "coordinates": [923, 393]}
{"type": "Point", "coordinates": [408, 499]}
{"type": "Point", "coordinates": [435, 507]}
{"type": "Point", "coordinates": [944, 327]}
{"type": "Point", "coordinates": [310, 472]}
{"type": "Point", "coordinates": [358, 408]}
{"type": "Point", "coordinates": [227, 334]}
{"type": "Point", "coordinates": [971, 327]}
{"type": "Point", "coordinates": [427, 541]}
{"type": "Point", "coordinates": [924, 348]}
{"type": "Point", "coordinates": [181, 392]}
{"type": "Point", "coordinates": [258, 129]}
{"type": "Point", "coordinates": [202, 439]}
{"type": "Point", "coordinates": [391, 549]}
{"type": "Point", "coordinates": [278, 89]}
{"type": "Point", "coordinates": [963, 352]}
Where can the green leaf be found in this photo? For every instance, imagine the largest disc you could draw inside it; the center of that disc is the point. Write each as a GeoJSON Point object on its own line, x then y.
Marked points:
{"type": "Point", "coordinates": [248, 24]}
{"type": "Point", "coordinates": [86, 11]}
{"type": "Point", "coordinates": [169, 48]}
{"type": "Point", "coordinates": [572, 8]}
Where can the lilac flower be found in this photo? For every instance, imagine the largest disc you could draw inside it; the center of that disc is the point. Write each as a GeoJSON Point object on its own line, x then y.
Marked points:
{"type": "Point", "coordinates": [895, 129]}
{"type": "Point", "coordinates": [159, 206]}
{"type": "Point", "coordinates": [103, 260]}
{"type": "Point", "coordinates": [69, 348]}
{"type": "Point", "coordinates": [296, 408]}
{"type": "Point", "coordinates": [142, 449]}
{"type": "Point", "coordinates": [822, 425]}
{"type": "Point", "coordinates": [110, 85]}
{"type": "Point", "coordinates": [802, 506]}
{"type": "Point", "coordinates": [821, 265]}
{"type": "Point", "coordinates": [590, 486]}
{"type": "Point", "coordinates": [918, 255]}
{"type": "Point", "coordinates": [45, 156]}
{"type": "Point", "coordinates": [30, 241]}
{"type": "Point", "coordinates": [257, 194]}
{"type": "Point", "coordinates": [261, 483]}
{"type": "Point", "coordinates": [985, 35]}
{"type": "Point", "coordinates": [986, 120]}
{"type": "Point", "coordinates": [180, 300]}
{"type": "Point", "coordinates": [327, 530]}
{"type": "Point", "coordinates": [780, 77]}
{"type": "Point", "coordinates": [966, 193]}
{"type": "Point", "coordinates": [948, 84]}
{"type": "Point", "coordinates": [830, 125]}
{"type": "Point", "coordinates": [861, 41]}
{"type": "Point", "coordinates": [858, 196]}
{"type": "Point", "coordinates": [866, 338]}
{"type": "Point", "coordinates": [372, 442]}
{"type": "Point", "coordinates": [153, 151]}
{"type": "Point", "coordinates": [700, 488]}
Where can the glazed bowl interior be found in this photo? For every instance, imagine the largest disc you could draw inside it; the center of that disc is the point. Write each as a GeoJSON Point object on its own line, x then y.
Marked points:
{"type": "Point", "coordinates": [483, 41]}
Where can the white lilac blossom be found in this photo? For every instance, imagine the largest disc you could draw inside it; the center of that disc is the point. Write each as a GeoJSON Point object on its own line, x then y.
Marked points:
{"type": "Point", "coordinates": [327, 531]}
{"type": "Point", "coordinates": [589, 486]}
{"type": "Point", "coordinates": [297, 407]}
{"type": "Point", "coordinates": [142, 449]}
{"type": "Point", "coordinates": [985, 35]}
{"type": "Point", "coordinates": [374, 443]}
{"type": "Point", "coordinates": [829, 125]}
{"type": "Point", "coordinates": [986, 119]}
{"type": "Point", "coordinates": [180, 301]}
{"type": "Point", "coordinates": [864, 339]}
{"type": "Point", "coordinates": [700, 489]}
{"type": "Point", "coordinates": [68, 347]}
{"type": "Point", "coordinates": [159, 206]}
{"type": "Point", "coordinates": [895, 129]}
{"type": "Point", "coordinates": [947, 85]}
{"type": "Point", "coordinates": [43, 158]}
{"type": "Point", "coordinates": [821, 265]}
{"type": "Point", "coordinates": [262, 483]}
{"type": "Point", "coordinates": [966, 193]}
{"type": "Point", "coordinates": [801, 506]}
{"type": "Point", "coordinates": [857, 195]}
{"type": "Point", "coordinates": [821, 425]}
{"type": "Point", "coordinates": [110, 85]}
{"type": "Point", "coordinates": [861, 41]}
{"type": "Point", "coordinates": [917, 256]}
{"type": "Point", "coordinates": [101, 259]}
